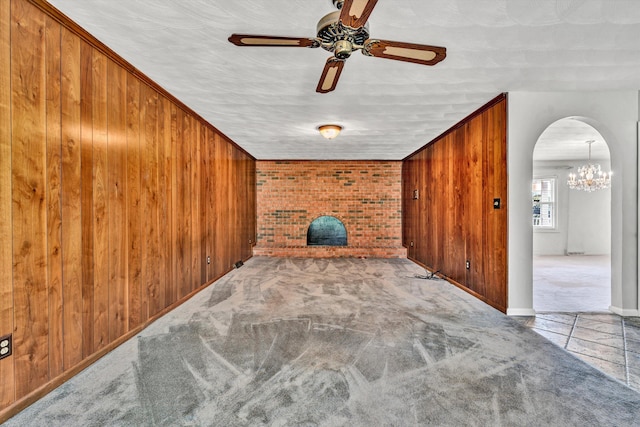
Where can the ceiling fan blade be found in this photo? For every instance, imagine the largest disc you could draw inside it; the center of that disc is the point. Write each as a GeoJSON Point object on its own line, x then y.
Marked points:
{"type": "Point", "coordinates": [254, 40]}
{"type": "Point", "coordinates": [409, 52]}
{"type": "Point", "coordinates": [355, 13]}
{"type": "Point", "coordinates": [330, 75]}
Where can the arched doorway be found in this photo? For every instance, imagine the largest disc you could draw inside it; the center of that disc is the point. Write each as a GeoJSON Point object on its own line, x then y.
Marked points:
{"type": "Point", "coordinates": [571, 228]}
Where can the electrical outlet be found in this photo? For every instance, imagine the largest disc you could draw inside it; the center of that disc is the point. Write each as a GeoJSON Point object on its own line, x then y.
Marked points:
{"type": "Point", "coordinates": [411, 244]}
{"type": "Point", "coordinates": [5, 346]}
{"type": "Point", "coordinates": [208, 260]}
{"type": "Point", "coordinates": [468, 265]}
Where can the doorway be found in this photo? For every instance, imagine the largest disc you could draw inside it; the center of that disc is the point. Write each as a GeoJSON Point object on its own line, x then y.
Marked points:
{"type": "Point", "coordinates": [571, 228]}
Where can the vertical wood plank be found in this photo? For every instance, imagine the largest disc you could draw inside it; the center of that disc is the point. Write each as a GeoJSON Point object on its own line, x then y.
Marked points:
{"type": "Point", "coordinates": [134, 211]}
{"type": "Point", "coordinates": [474, 221]}
{"type": "Point", "coordinates": [251, 206]}
{"type": "Point", "coordinates": [228, 208]}
{"type": "Point", "coordinates": [165, 136]}
{"type": "Point", "coordinates": [150, 202]}
{"type": "Point", "coordinates": [71, 198]}
{"type": "Point", "coordinates": [488, 187]}
{"type": "Point", "coordinates": [427, 192]}
{"type": "Point", "coordinates": [462, 190]}
{"type": "Point", "coordinates": [196, 248]}
{"type": "Point", "coordinates": [206, 190]}
{"type": "Point", "coordinates": [100, 203]}
{"type": "Point", "coordinates": [31, 316]}
{"type": "Point", "coordinates": [234, 199]}
{"type": "Point", "coordinates": [176, 264]}
{"type": "Point", "coordinates": [185, 126]}
{"type": "Point", "coordinates": [241, 196]}
{"type": "Point", "coordinates": [421, 207]}
{"type": "Point", "coordinates": [154, 289]}
{"type": "Point", "coordinates": [495, 245]}
{"type": "Point", "coordinates": [423, 193]}
{"type": "Point", "coordinates": [409, 185]}
{"type": "Point", "coordinates": [159, 293]}
{"type": "Point", "coordinates": [232, 204]}
{"type": "Point", "coordinates": [54, 194]}
{"type": "Point", "coordinates": [7, 385]}
{"type": "Point", "coordinates": [430, 188]}
{"type": "Point", "coordinates": [439, 160]}
{"type": "Point", "coordinates": [117, 188]}
{"type": "Point", "coordinates": [86, 184]}
{"type": "Point", "coordinates": [438, 190]}
{"type": "Point", "coordinates": [178, 203]}
{"type": "Point", "coordinates": [222, 206]}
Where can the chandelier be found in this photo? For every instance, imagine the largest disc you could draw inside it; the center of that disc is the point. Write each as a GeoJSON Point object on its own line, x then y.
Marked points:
{"type": "Point", "coordinates": [589, 177]}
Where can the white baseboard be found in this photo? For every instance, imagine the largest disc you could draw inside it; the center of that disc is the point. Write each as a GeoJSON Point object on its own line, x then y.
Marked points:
{"type": "Point", "coordinates": [625, 312]}
{"type": "Point", "coordinates": [521, 312]}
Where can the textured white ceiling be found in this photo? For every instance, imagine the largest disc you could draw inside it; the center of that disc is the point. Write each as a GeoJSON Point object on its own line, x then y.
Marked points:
{"type": "Point", "coordinates": [567, 139]}
{"type": "Point", "coordinates": [264, 97]}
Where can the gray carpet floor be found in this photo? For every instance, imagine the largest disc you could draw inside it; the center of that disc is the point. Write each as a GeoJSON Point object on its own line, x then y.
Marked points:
{"type": "Point", "coordinates": [302, 342]}
{"type": "Point", "coordinates": [574, 284]}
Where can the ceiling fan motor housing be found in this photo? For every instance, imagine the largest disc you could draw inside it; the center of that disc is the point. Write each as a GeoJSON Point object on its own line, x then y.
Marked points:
{"type": "Point", "coordinates": [339, 39]}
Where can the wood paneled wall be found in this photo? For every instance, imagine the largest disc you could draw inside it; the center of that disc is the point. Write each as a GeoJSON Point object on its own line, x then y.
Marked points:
{"type": "Point", "coordinates": [453, 221]}
{"type": "Point", "coordinates": [112, 196]}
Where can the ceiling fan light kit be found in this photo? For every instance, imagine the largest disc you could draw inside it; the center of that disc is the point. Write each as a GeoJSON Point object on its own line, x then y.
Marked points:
{"type": "Point", "coordinates": [342, 32]}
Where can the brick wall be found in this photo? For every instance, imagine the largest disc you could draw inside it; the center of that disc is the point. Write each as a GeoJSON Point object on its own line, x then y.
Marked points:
{"type": "Point", "coordinates": [364, 195]}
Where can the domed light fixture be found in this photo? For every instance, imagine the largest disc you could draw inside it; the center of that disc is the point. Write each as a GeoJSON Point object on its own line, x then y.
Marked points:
{"type": "Point", "coordinates": [329, 131]}
{"type": "Point", "coordinates": [590, 176]}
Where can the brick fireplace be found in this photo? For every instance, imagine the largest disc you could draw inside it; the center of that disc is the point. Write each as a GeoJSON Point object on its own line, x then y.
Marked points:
{"type": "Point", "coordinates": [365, 196]}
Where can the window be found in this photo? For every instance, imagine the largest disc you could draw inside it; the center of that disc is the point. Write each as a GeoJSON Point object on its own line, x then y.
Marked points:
{"type": "Point", "coordinates": [543, 193]}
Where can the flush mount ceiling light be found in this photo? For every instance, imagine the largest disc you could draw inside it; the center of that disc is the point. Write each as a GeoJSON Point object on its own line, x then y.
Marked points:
{"type": "Point", "coordinates": [329, 131]}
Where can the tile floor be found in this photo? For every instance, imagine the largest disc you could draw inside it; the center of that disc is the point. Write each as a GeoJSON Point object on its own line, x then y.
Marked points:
{"type": "Point", "coordinates": [609, 342]}
{"type": "Point", "coordinates": [571, 296]}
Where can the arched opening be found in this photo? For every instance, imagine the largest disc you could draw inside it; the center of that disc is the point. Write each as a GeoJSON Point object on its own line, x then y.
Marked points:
{"type": "Point", "coordinates": [571, 228]}
{"type": "Point", "coordinates": [327, 231]}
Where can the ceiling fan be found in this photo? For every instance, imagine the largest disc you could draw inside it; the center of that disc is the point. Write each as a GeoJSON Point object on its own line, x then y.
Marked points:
{"type": "Point", "coordinates": [343, 32]}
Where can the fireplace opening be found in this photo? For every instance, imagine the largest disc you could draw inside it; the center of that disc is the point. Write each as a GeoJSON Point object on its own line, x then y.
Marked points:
{"type": "Point", "coordinates": [327, 231]}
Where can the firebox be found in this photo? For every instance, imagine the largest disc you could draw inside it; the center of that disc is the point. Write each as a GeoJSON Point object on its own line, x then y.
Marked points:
{"type": "Point", "coordinates": [327, 231]}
